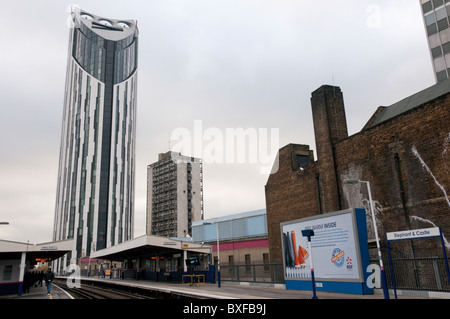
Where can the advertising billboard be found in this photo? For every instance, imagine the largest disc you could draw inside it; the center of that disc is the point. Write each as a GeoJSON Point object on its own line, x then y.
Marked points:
{"type": "Point", "coordinates": [339, 247]}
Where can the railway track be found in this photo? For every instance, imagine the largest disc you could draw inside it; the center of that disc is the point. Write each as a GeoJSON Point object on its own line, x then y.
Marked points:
{"type": "Point", "coordinates": [92, 292]}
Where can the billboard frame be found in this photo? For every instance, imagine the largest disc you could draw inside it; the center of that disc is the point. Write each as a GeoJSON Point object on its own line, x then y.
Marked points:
{"type": "Point", "coordinates": [357, 240]}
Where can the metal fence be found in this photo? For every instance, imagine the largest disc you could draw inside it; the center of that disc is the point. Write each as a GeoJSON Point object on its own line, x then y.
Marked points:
{"type": "Point", "coordinates": [427, 274]}
{"type": "Point", "coordinates": [261, 272]}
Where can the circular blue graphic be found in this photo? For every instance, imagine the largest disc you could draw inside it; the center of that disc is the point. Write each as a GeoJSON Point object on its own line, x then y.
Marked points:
{"type": "Point", "coordinates": [337, 257]}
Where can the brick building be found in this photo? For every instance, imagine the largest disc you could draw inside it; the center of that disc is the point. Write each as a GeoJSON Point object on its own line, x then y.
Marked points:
{"type": "Point", "coordinates": [403, 151]}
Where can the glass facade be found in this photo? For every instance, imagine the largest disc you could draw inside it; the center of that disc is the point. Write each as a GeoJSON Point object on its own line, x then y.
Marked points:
{"type": "Point", "coordinates": [437, 21]}
{"type": "Point", "coordinates": [94, 54]}
{"type": "Point", "coordinates": [95, 192]}
{"type": "Point", "coordinates": [231, 227]}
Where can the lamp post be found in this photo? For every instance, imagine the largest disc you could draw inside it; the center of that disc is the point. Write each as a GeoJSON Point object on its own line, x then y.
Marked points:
{"type": "Point", "coordinates": [89, 263]}
{"type": "Point", "coordinates": [218, 252]}
{"type": "Point", "coordinates": [383, 273]}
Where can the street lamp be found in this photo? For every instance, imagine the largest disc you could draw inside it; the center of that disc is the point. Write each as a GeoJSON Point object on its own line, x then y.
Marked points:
{"type": "Point", "coordinates": [4, 223]}
{"type": "Point", "coordinates": [218, 251]}
{"type": "Point", "coordinates": [383, 273]}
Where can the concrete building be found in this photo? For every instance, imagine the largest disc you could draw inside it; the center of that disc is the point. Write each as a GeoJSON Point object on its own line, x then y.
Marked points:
{"type": "Point", "coordinates": [174, 195]}
{"type": "Point", "coordinates": [403, 151]}
{"type": "Point", "coordinates": [95, 191]}
{"type": "Point", "coordinates": [436, 18]}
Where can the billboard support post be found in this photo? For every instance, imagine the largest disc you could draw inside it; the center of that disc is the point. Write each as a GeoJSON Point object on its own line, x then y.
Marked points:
{"type": "Point", "coordinates": [309, 233]}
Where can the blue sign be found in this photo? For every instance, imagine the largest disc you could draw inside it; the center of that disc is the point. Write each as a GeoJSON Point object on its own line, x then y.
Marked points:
{"type": "Point", "coordinates": [340, 251]}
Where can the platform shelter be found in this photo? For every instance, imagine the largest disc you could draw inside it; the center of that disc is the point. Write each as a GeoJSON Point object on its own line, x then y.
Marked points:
{"type": "Point", "coordinates": [157, 258]}
{"type": "Point", "coordinates": [16, 258]}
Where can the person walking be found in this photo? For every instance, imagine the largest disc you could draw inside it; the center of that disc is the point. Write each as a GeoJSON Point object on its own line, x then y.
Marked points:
{"type": "Point", "coordinates": [41, 278]}
{"type": "Point", "coordinates": [26, 283]}
{"type": "Point", "coordinates": [48, 278]}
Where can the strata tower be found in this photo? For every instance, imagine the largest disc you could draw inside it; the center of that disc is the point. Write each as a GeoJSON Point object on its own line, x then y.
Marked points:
{"type": "Point", "coordinates": [95, 191]}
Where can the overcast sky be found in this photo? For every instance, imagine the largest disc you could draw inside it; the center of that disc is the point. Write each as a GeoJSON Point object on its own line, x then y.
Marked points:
{"type": "Point", "coordinates": [230, 64]}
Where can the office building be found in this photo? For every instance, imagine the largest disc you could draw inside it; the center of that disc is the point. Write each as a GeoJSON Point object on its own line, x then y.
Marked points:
{"type": "Point", "coordinates": [242, 237]}
{"type": "Point", "coordinates": [95, 190]}
{"type": "Point", "coordinates": [174, 195]}
{"type": "Point", "coordinates": [436, 18]}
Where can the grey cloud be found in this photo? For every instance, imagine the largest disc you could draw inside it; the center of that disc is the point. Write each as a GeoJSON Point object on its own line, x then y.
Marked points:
{"type": "Point", "coordinates": [246, 63]}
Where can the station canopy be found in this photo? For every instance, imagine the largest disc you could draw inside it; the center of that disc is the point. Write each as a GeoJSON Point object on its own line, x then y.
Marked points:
{"type": "Point", "coordinates": [149, 245]}
{"type": "Point", "coordinates": [10, 250]}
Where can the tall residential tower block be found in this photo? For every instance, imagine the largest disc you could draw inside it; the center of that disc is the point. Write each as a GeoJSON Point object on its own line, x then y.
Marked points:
{"type": "Point", "coordinates": [174, 195]}
{"type": "Point", "coordinates": [95, 191]}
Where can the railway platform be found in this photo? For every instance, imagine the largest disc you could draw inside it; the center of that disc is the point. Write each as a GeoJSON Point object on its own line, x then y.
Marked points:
{"type": "Point", "coordinates": [237, 291]}
{"type": "Point", "coordinates": [41, 293]}
{"type": "Point", "coordinates": [207, 291]}
{"type": "Point", "coordinates": [243, 291]}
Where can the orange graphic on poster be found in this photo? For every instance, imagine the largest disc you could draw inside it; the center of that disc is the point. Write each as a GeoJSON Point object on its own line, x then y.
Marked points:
{"type": "Point", "coordinates": [296, 261]}
{"type": "Point", "coordinates": [302, 254]}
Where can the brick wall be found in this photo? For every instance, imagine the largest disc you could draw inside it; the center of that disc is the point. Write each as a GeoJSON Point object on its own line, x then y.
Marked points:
{"type": "Point", "coordinates": [406, 159]}
{"type": "Point", "coordinates": [291, 193]}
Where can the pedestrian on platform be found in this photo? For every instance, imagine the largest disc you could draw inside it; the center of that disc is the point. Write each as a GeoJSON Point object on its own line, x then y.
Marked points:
{"type": "Point", "coordinates": [48, 278]}
{"type": "Point", "coordinates": [26, 283]}
{"type": "Point", "coordinates": [41, 278]}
